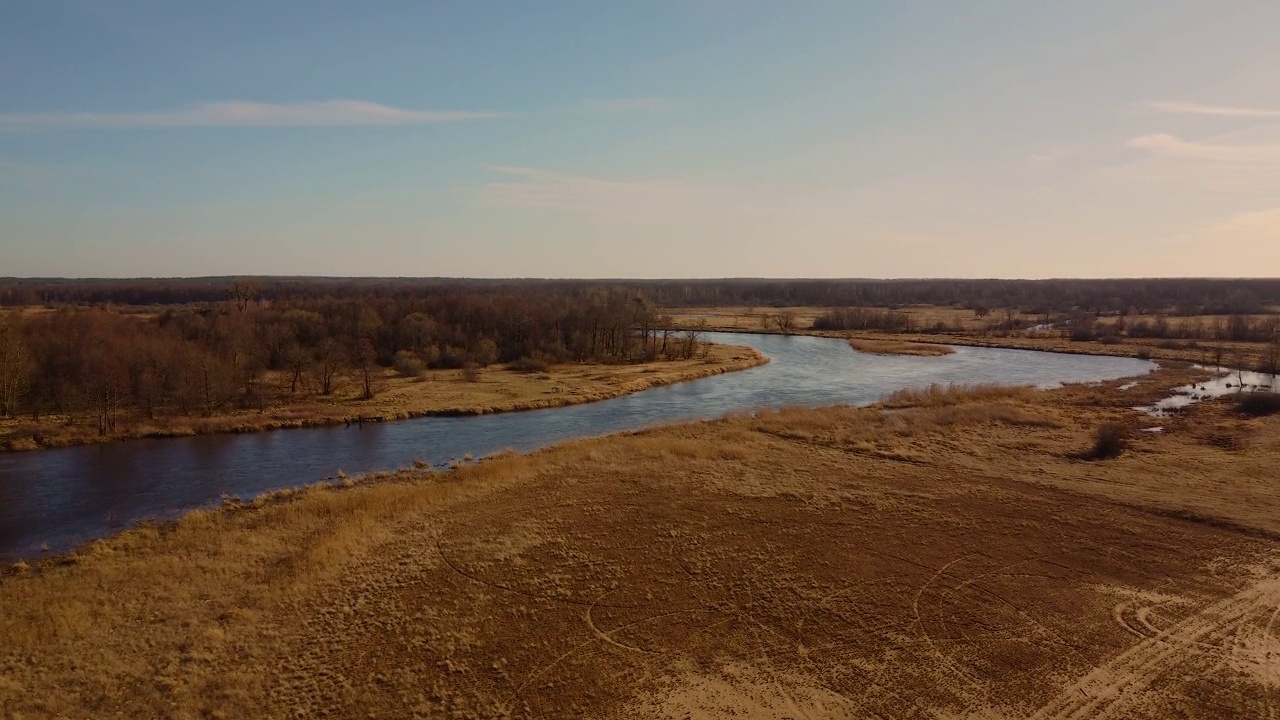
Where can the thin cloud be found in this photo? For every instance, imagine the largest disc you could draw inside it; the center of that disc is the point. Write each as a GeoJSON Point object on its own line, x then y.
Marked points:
{"type": "Point", "coordinates": [1170, 146]}
{"type": "Point", "coordinates": [618, 106]}
{"type": "Point", "coordinates": [1188, 108]}
{"type": "Point", "coordinates": [532, 188]}
{"type": "Point", "coordinates": [1053, 156]}
{"type": "Point", "coordinates": [243, 113]}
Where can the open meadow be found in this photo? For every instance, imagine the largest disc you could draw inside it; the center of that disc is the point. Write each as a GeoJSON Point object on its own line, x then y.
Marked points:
{"type": "Point", "coordinates": [953, 553]}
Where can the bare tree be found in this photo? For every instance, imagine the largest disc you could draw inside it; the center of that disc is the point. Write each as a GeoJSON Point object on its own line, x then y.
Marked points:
{"type": "Point", "coordinates": [243, 294]}
{"type": "Point", "coordinates": [328, 360]}
{"type": "Point", "coordinates": [15, 370]}
{"type": "Point", "coordinates": [785, 320]}
{"type": "Point", "coordinates": [365, 360]}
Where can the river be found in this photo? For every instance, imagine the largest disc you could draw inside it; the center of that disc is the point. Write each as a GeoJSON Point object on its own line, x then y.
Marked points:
{"type": "Point", "coordinates": [53, 499]}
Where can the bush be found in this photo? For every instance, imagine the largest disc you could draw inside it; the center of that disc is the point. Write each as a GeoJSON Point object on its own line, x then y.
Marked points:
{"type": "Point", "coordinates": [528, 365]}
{"type": "Point", "coordinates": [1083, 334]}
{"type": "Point", "coordinates": [409, 364]}
{"type": "Point", "coordinates": [483, 353]}
{"type": "Point", "coordinates": [1258, 403]}
{"type": "Point", "coordinates": [1109, 340]}
{"type": "Point", "coordinates": [1111, 441]}
{"type": "Point", "coordinates": [471, 372]}
{"type": "Point", "coordinates": [1143, 354]}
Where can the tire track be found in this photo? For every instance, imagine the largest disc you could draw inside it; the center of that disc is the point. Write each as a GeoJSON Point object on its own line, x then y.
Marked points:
{"type": "Point", "coordinates": [1120, 683]}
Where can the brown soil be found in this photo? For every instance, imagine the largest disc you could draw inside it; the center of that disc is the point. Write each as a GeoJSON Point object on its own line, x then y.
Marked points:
{"type": "Point", "coordinates": [438, 392]}
{"type": "Point", "coordinates": [953, 557]}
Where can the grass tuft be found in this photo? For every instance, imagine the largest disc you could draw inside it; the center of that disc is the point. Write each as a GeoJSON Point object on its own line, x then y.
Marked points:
{"type": "Point", "coordinates": [1110, 442]}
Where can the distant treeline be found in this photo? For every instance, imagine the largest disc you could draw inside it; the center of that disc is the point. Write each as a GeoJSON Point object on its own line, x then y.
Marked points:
{"type": "Point", "coordinates": [206, 357]}
{"type": "Point", "coordinates": [1184, 297]}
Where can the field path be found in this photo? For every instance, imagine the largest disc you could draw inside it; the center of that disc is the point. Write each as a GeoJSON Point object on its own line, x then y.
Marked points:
{"type": "Point", "coordinates": [1219, 633]}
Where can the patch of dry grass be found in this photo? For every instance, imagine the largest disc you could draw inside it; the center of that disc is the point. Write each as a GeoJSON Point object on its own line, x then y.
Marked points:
{"type": "Point", "coordinates": [898, 347]}
{"type": "Point", "coordinates": [944, 395]}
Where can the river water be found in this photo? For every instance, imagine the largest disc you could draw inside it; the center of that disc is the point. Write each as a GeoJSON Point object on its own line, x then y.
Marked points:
{"type": "Point", "coordinates": [53, 499]}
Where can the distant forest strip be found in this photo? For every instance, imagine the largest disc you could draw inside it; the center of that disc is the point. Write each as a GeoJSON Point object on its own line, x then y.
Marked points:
{"type": "Point", "coordinates": [1180, 297]}
{"type": "Point", "coordinates": [200, 359]}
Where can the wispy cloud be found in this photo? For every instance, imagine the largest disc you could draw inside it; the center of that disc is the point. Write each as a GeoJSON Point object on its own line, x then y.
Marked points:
{"type": "Point", "coordinates": [542, 189]}
{"type": "Point", "coordinates": [243, 113]}
{"type": "Point", "coordinates": [618, 106]}
{"type": "Point", "coordinates": [1052, 156]}
{"type": "Point", "coordinates": [1170, 146]}
{"type": "Point", "coordinates": [1190, 108]}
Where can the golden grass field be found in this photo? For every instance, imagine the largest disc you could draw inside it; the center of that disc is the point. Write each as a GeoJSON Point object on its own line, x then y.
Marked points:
{"type": "Point", "coordinates": [947, 555]}
{"type": "Point", "coordinates": [439, 392]}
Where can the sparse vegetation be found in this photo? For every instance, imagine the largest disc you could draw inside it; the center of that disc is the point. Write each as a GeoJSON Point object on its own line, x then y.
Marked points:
{"type": "Point", "coordinates": [663, 573]}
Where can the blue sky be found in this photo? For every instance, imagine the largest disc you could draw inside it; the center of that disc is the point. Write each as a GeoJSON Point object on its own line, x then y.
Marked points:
{"type": "Point", "coordinates": [694, 138]}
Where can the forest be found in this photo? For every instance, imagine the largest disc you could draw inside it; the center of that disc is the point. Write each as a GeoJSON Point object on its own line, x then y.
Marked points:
{"type": "Point", "coordinates": [198, 347]}
{"type": "Point", "coordinates": [1178, 297]}
{"type": "Point", "coordinates": [203, 358]}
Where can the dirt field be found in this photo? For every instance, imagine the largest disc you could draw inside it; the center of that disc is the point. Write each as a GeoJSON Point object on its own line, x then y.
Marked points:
{"type": "Point", "coordinates": [951, 558]}
{"type": "Point", "coordinates": [438, 392]}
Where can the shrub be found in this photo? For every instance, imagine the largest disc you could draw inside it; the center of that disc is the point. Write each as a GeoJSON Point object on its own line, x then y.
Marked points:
{"type": "Point", "coordinates": [452, 357]}
{"type": "Point", "coordinates": [1143, 354]}
{"type": "Point", "coordinates": [1082, 334]}
{"type": "Point", "coordinates": [528, 365]}
{"type": "Point", "coordinates": [1109, 340]}
{"type": "Point", "coordinates": [1110, 442]}
{"type": "Point", "coordinates": [471, 372]}
{"type": "Point", "coordinates": [409, 364]}
{"type": "Point", "coordinates": [483, 353]}
{"type": "Point", "coordinates": [1169, 345]}
{"type": "Point", "coordinates": [1258, 403]}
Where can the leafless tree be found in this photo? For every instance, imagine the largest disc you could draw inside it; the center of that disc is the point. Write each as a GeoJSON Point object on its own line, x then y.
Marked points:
{"type": "Point", "coordinates": [785, 320]}
{"type": "Point", "coordinates": [15, 370]}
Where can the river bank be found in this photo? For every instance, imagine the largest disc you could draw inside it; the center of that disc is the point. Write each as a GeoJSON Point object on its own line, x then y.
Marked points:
{"type": "Point", "coordinates": [966, 332]}
{"type": "Point", "coordinates": [677, 570]}
{"type": "Point", "coordinates": [437, 393]}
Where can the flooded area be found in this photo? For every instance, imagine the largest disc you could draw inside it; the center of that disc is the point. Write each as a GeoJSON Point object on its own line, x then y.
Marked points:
{"type": "Point", "coordinates": [1227, 382]}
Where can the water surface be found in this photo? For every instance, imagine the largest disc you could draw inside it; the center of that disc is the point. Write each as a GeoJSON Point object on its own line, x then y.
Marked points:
{"type": "Point", "coordinates": [51, 499]}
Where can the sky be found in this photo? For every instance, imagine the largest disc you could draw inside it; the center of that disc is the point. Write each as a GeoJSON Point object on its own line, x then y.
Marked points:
{"type": "Point", "coordinates": [682, 138]}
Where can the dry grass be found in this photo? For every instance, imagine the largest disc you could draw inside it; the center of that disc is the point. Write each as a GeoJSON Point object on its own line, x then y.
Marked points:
{"type": "Point", "coordinates": [437, 392]}
{"type": "Point", "coordinates": [944, 395]}
{"type": "Point", "coordinates": [952, 557]}
{"type": "Point", "coordinates": [898, 347]}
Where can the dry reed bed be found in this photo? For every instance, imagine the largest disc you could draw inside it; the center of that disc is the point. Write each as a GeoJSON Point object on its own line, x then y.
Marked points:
{"type": "Point", "coordinates": [946, 551]}
{"type": "Point", "coordinates": [896, 347]}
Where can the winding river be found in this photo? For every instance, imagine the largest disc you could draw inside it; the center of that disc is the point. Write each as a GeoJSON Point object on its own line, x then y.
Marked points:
{"type": "Point", "coordinates": [52, 499]}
